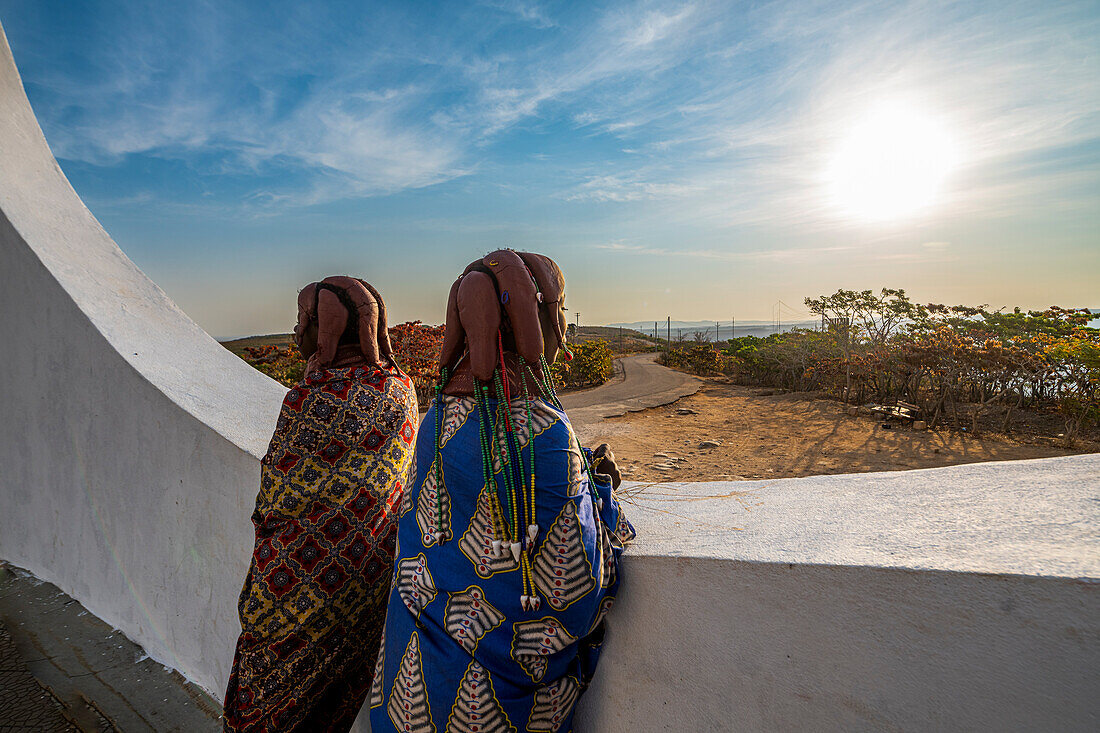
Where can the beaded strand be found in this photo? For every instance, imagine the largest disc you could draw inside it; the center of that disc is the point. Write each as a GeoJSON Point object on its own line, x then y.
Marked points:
{"type": "Point", "coordinates": [507, 468]}
{"type": "Point", "coordinates": [548, 388]}
{"type": "Point", "coordinates": [440, 411]}
{"type": "Point", "coordinates": [485, 430]}
{"type": "Point", "coordinates": [516, 523]}
{"type": "Point", "coordinates": [532, 600]}
{"type": "Point", "coordinates": [532, 527]}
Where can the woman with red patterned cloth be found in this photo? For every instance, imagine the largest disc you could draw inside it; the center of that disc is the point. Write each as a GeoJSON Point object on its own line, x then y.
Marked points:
{"type": "Point", "coordinates": [314, 601]}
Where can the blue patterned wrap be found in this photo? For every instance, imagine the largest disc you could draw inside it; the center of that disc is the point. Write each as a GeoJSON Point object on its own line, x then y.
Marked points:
{"type": "Point", "coordinates": [459, 653]}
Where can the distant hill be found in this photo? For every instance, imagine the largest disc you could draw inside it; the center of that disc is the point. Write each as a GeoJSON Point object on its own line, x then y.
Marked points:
{"type": "Point", "coordinates": [237, 346]}
{"type": "Point", "coordinates": [620, 340]}
{"type": "Point", "coordinates": [631, 340]}
{"type": "Point", "coordinates": [687, 329]}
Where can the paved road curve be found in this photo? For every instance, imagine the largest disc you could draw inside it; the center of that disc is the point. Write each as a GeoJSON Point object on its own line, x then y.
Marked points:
{"type": "Point", "coordinates": [642, 383]}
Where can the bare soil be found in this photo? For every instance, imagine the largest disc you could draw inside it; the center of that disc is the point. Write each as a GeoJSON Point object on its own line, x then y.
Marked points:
{"type": "Point", "coordinates": [767, 435]}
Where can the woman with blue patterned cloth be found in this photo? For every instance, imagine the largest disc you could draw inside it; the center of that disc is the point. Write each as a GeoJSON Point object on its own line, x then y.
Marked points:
{"type": "Point", "coordinates": [509, 543]}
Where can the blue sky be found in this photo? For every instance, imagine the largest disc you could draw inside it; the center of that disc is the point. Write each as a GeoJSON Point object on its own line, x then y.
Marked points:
{"type": "Point", "coordinates": [692, 159]}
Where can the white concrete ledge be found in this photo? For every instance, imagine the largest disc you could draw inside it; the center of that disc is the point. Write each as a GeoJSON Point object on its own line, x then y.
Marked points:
{"type": "Point", "coordinates": [1037, 517]}
{"type": "Point", "coordinates": [956, 598]}
{"type": "Point", "coordinates": [962, 598]}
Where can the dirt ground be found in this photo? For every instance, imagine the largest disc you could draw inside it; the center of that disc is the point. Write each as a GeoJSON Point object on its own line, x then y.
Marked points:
{"type": "Point", "coordinates": [767, 435]}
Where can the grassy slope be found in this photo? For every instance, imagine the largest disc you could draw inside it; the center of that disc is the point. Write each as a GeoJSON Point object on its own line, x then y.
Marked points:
{"type": "Point", "coordinates": [610, 334]}
{"type": "Point", "coordinates": [237, 346]}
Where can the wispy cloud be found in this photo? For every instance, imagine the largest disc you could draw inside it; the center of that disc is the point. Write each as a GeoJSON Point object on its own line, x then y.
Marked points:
{"type": "Point", "coordinates": [724, 112]}
{"type": "Point", "coordinates": [623, 188]}
{"type": "Point", "coordinates": [790, 255]}
{"type": "Point", "coordinates": [528, 12]}
{"type": "Point", "coordinates": [750, 135]}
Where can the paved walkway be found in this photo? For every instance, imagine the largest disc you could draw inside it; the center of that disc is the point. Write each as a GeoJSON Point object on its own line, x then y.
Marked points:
{"type": "Point", "coordinates": [63, 669]}
{"type": "Point", "coordinates": [25, 704]}
{"type": "Point", "coordinates": [641, 383]}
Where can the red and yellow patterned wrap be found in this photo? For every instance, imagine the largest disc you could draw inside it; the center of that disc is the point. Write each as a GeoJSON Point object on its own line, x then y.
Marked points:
{"type": "Point", "coordinates": [314, 601]}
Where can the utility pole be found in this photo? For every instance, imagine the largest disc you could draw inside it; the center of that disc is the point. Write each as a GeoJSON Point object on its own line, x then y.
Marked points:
{"type": "Point", "coordinates": [668, 334]}
{"type": "Point", "coordinates": [578, 314]}
{"type": "Point", "coordinates": [656, 341]}
{"type": "Point", "coordinates": [733, 328]}
{"type": "Point", "coordinates": [716, 333]}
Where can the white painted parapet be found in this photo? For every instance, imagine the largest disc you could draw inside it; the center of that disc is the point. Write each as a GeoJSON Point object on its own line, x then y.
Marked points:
{"type": "Point", "coordinates": [957, 598]}
{"type": "Point", "coordinates": [962, 598]}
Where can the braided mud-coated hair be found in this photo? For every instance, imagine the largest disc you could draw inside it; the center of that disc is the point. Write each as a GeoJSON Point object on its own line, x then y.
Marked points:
{"type": "Point", "coordinates": [502, 293]}
{"type": "Point", "coordinates": [347, 310]}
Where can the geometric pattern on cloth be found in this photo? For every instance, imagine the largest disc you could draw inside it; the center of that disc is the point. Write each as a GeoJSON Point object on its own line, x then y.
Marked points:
{"type": "Point", "coordinates": [408, 708]}
{"type": "Point", "coordinates": [561, 569]}
{"type": "Point", "coordinates": [476, 708]}
{"type": "Point", "coordinates": [313, 603]}
{"type": "Point", "coordinates": [469, 617]}
{"type": "Point", "coordinates": [577, 477]}
{"type": "Point", "coordinates": [608, 574]}
{"type": "Point", "coordinates": [477, 542]}
{"type": "Point", "coordinates": [462, 654]}
{"type": "Point", "coordinates": [625, 531]}
{"type": "Point", "coordinates": [552, 703]}
{"type": "Point", "coordinates": [542, 417]}
{"type": "Point", "coordinates": [605, 607]}
{"type": "Point", "coordinates": [457, 410]}
{"type": "Point", "coordinates": [533, 641]}
{"type": "Point", "coordinates": [433, 510]}
{"type": "Point", "coordinates": [415, 583]}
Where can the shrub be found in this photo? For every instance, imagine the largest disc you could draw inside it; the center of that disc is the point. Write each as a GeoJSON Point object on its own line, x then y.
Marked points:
{"type": "Point", "coordinates": [591, 365]}
{"type": "Point", "coordinates": [416, 348]}
{"type": "Point", "coordinates": [697, 357]}
{"type": "Point", "coordinates": [284, 364]}
{"type": "Point", "coordinates": [953, 362]}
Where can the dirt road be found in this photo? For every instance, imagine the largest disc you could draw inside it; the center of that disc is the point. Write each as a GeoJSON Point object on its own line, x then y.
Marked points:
{"type": "Point", "coordinates": [730, 432]}
{"type": "Point", "coordinates": [640, 383]}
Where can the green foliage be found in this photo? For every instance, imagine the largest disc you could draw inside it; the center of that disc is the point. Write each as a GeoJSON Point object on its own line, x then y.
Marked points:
{"type": "Point", "coordinates": [590, 366]}
{"type": "Point", "coordinates": [697, 357]}
{"type": "Point", "coordinates": [284, 364]}
{"type": "Point", "coordinates": [958, 363]}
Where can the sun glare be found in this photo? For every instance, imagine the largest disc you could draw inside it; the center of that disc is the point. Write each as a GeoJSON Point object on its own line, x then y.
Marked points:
{"type": "Point", "coordinates": [892, 164]}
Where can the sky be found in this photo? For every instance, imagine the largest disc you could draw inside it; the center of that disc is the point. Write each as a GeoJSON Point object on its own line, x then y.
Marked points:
{"type": "Point", "coordinates": [699, 160]}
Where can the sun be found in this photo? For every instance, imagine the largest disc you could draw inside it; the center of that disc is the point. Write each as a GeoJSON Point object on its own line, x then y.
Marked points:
{"type": "Point", "coordinates": [891, 164]}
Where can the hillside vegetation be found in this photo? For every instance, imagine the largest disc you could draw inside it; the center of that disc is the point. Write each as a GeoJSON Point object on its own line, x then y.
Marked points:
{"type": "Point", "coordinates": [964, 366]}
{"type": "Point", "coordinates": [417, 345]}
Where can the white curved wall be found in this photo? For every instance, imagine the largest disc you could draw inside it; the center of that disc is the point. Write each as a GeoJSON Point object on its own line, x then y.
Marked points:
{"type": "Point", "coordinates": [129, 439]}
{"type": "Point", "coordinates": [960, 598]}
